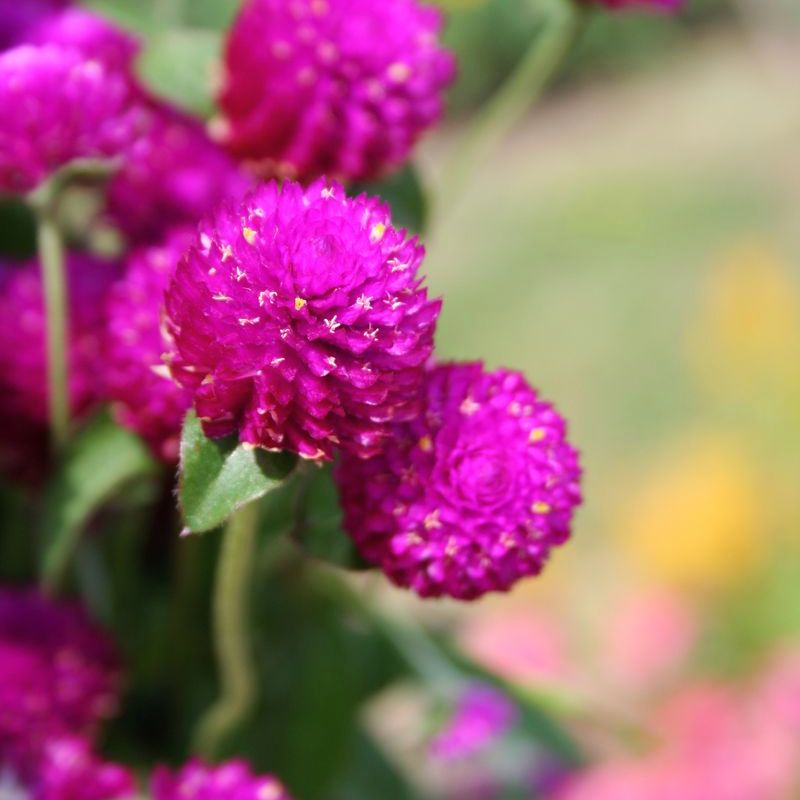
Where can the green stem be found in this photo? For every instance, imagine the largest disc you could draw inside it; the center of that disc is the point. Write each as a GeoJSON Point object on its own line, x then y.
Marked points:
{"type": "Point", "coordinates": [51, 258]}
{"type": "Point", "coordinates": [238, 679]}
{"type": "Point", "coordinates": [548, 50]}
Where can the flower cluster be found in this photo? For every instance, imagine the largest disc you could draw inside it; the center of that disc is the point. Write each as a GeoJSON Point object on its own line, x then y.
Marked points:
{"type": "Point", "coordinates": [299, 320]}
{"type": "Point", "coordinates": [232, 780]}
{"type": "Point", "coordinates": [336, 87]}
{"type": "Point", "coordinates": [470, 495]}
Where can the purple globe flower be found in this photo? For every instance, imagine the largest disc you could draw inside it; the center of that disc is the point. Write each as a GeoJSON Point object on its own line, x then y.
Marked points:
{"type": "Point", "coordinates": [63, 768]}
{"type": "Point", "coordinates": [55, 106]}
{"type": "Point", "coordinates": [172, 175]}
{"type": "Point", "coordinates": [483, 715]}
{"type": "Point", "coordinates": [60, 674]}
{"type": "Point", "coordinates": [471, 495]}
{"type": "Point", "coordinates": [90, 34]}
{"type": "Point", "coordinates": [299, 320]}
{"type": "Point", "coordinates": [232, 780]}
{"type": "Point", "coordinates": [23, 359]}
{"type": "Point", "coordinates": [143, 396]}
{"type": "Point", "coordinates": [336, 87]}
{"type": "Point", "coordinates": [19, 17]}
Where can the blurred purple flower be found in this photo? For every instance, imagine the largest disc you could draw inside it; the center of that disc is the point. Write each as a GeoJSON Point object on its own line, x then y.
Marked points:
{"type": "Point", "coordinates": [19, 17]}
{"type": "Point", "coordinates": [144, 397]}
{"type": "Point", "coordinates": [56, 106]}
{"type": "Point", "coordinates": [663, 5]}
{"type": "Point", "coordinates": [482, 716]}
{"type": "Point", "coordinates": [60, 674]}
{"type": "Point", "coordinates": [336, 87]}
{"type": "Point", "coordinates": [232, 780]}
{"type": "Point", "coordinates": [299, 320]}
{"type": "Point", "coordinates": [471, 495]}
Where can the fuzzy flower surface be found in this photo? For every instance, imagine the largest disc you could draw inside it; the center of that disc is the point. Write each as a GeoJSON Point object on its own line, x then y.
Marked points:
{"type": "Point", "coordinates": [299, 319]}
{"type": "Point", "coordinates": [56, 106]}
{"type": "Point", "coordinates": [232, 780]}
{"type": "Point", "coordinates": [172, 174]}
{"type": "Point", "coordinates": [60, 673]}
{"type": "Point", "coordinates": [23, 358]}
{"type": "Point", "coordinates": [470, 496]}
{"type": "Point", "coordinates": [17, 18]}
{"type": "Point", "coordinates": [90, 34]}
{"type": "Point", "coordinates": [143, 396]}
{"type": "Point", "coordinates": [336, 87]}
{"type": "Point", "coordinates": [482, 716]}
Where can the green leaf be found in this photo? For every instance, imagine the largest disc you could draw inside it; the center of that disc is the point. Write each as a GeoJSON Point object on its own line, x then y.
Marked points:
{"type": "Point", "coordinates": [98, 462]}
{"type": "Point", "coordinates": [180, 64]}
{"type": "Point", "coordinates": [319, 530]}
{"type": "Point", "coordinates": [404, 193]}
{"type": "Point", "coordinates": [217, 476]}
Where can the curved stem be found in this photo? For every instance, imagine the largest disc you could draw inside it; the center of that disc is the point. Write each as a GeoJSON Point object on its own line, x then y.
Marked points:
{"type": "Point", "coordinates": [238, 678]}
{"type": "Point", "coordinates": [51, 258]}
{"type": "Point", "coordinates": [526, 84]}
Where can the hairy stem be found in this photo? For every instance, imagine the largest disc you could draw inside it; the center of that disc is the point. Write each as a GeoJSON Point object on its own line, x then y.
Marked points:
{"type": "Point", "coordinates": [233, 647]}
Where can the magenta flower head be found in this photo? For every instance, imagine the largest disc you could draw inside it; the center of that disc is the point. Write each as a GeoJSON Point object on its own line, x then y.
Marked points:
{"type": "Point", "coordinates": [483, 715]}
{"type": "Point", "coordinates": [337, 87]}
{"type": "Point", "coordinates": [232, 780]}
{"type": "Point", "coordinates": [55, 106]}
{"type": "Point", "coordinates": [144, 397]}
{"type": "Point", "coordinates": [91, 35]}
{"type": "Point", "coordinates": [471, 495]}
{"type": "Point", "coordinates": [299, 320]}
{"type": "Point", "coordinates": [172, 175]}
{"type": "Point", "coordinates": [60, 673]}
{"type": "Point", "coordinates": [63, 768]}
{"type": "Point", "coordinates": [23, 359]}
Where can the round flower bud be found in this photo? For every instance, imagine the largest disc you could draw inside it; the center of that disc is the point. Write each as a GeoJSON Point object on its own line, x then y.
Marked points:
{"type": "Point", "coordinates": [299, 320]}
{"type": "Point", "coordinates": [56, 106]}
{"type": "Point", "coordinates": [143, 396]}
{"type": "Point", "coordinates": [232, 780]}
{"type": "Point", "coordinates": [172, 174]}
{"type": "Point", "coordinates": [23, 357]}
{"type": "Point", "coordinates": [60, 673]}
{"type": "Point", "coordinates": [470, 496]}
{"type": "Point", "coordinates": [336, 87]}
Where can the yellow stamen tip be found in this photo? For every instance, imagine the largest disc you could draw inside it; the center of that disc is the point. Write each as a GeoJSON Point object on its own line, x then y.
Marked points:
{"type": "Point", "coordinates": [249, 235]}
{"type": "Point", "coordinates": [299, 303]}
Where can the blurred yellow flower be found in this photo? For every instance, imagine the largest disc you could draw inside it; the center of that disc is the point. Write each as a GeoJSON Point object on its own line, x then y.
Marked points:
{"type": "Point", "coordinates": [749, 324]}
{"type": "Point", "coordinates": [696, 520]}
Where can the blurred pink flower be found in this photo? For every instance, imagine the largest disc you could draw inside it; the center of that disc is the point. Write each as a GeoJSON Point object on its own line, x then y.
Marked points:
{"type": "Point", "coordinates": [231, 780]}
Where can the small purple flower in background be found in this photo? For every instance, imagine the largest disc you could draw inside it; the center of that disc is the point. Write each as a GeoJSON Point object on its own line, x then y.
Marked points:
{"type": "Point", "coordinates": [172, 175]}
{"type": "Point", "coordinates": [232, 780]}
{"type": "Point", "coordinates": [299, 320]}
{"type": "Point", "coordinates": [60, 674]}
{"type": "Point", "coordinates": [19, 17]}
{"type": "Point", "coordinates": [482, 716]}
{"type": "Point", "coordinates": [470, 496]}
{"type": "Point", "coordinates": [336, 87]}
{"type": "Point", "coordinates": [23, 384]}
{"type": "Point", "coordinates": [143, 396]}
{"type": "Point", "coordinates": [55, 106]}
{"type": "Point", "coordinates": [90, 34]}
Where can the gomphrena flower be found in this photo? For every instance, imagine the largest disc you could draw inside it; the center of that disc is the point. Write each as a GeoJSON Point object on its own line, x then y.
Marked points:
{"type": "Point", "coordinates": [144, 397]}
{"type": "Point", "coordinates": [471, 495]}
{"type": "Point", "coordinates": [64, 769]}
{"type": "Point", "coordinates": [336, 87]}
{"type": "Point", "coordinates": [17, 18]}
{"type": "Point", "coordinates": [483, 715]}
{"type": "Point", "coordinates": [172, 174]}
{"type": "Point", "coordinates": [299, 320]}
{"type": "Point", "coordinates": [60, 673]}
{"type": "Point", "coordinates": [23, 360]}
{"type": "Point", "coordinates": [55, 106]}
{"type": "Point", "coordinates": [232, 780]}
{"type": "Point", "coordinates": [90, 34]}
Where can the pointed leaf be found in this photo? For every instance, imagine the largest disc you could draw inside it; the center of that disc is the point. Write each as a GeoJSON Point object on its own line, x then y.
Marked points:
{"type": "Point", "coordinates": [217, 476]}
